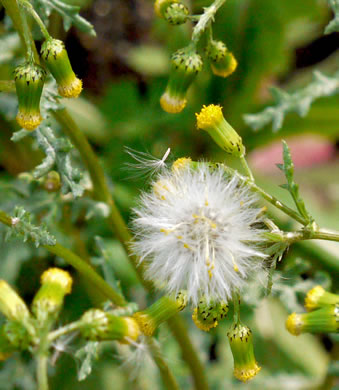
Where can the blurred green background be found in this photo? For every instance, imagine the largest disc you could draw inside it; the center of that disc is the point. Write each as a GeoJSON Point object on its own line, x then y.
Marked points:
{"type": "Point", "coordinates": [125, 70]}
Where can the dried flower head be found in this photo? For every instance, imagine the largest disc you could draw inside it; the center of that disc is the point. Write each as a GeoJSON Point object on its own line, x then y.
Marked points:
{"type": "Point", "coordinates": [197, 231]}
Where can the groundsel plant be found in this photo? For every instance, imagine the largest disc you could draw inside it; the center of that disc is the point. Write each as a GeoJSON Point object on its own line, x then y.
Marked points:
{"type": "Point", "coordinates": [199, 235]}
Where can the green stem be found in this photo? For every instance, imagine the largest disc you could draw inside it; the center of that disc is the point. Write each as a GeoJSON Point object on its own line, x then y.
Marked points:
{"type": "Point", "coordinates": [166, 375]}
{"type": "Point", "coordinates": [12, 10]}
{"type": "Point", "coordinates": [247, 168]}
{"type": "Point", "coordinates": [118, 226]}
{"type": "Point", "coordinates": [80, 265]}
{"type": "Point", "coordinates": [36, 17]}
{"type": "Point", "coordinates": [205, 20]}
{"type": "Point", "coordinates": [72, 327]}
{"type": "Point", "coordinates": [236, 307]}
{"type": "Point", "coordinates": [7, 86]}
{"type": "Point", "coordinates": [274, 201]}
{"type": "Point", "coordinates": [42, 365]}
{"type": "Point", "coordinates": [306, 234]}
{"type": "Point", "coordinates": [179, 330]}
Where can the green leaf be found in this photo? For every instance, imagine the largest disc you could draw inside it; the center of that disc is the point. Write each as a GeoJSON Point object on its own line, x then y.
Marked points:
{"type": "Point", "coordinates": [57, 151]}
{"type": "Point", "coordinates": [292, 186]}
{"type": "Point", "coordinates": [333, 26]}
{"type": "Point", "coordinates": [22, 226]}
{"type": "Point", "coordinates": [70, 14]}
{"type": "Point", "coordinates": [87, 356]}
{"type": "Point", "coordinates": [299, 101]}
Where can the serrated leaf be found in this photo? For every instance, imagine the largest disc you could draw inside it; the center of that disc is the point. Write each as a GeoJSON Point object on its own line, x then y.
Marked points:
{"type": "Point", "coordinates": [87, 356]}
{"type": "Point", "coordinates": [57, 151]}
{"type": "Point", "coordinates": [292, 186]}
{"type": "Point", "coordinates": [69, 13]}
{"type": "Point", "coordinates": [23, 227]}
{"type": "Point", "coordinates": [333, 26]}
{"type": "Point", "coordinates": [299, 101]}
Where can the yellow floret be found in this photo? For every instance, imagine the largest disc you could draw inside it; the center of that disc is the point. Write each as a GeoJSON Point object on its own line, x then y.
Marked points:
{"type": "Point", "coordinates": [133, 330]}
{"type": "Point", "coordinates": [312, 298]}
{"type": "Point", "coordinates": [226, 71]}
{"type": "Point", "coordinates": [180, 164]}
{"type": "Point", "coordinates": [201, 325]}
{"type": "Point", "coordinates": [172, 105]}
{"type": "Point", "coordinates": [294, 324]}
{"type": "Point", "coordinates": [58, 276]}
{"type": "Point", "coordinates": [246, 374]}
{"type": "Point", "coordinates": [29, 121]}
{"type": "Point", "coordinates": [145, 322]}
{"type": "Point", "coordinates": [209, 116]}
{"type": "Point", "coordinates": [72, 89]}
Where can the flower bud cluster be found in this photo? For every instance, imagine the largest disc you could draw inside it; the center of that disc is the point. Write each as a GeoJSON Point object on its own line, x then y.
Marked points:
{"type": "Point", "coordinates": [186, 63]}
{"type": "Point", "coordinates": [30, 78]}
{"type": "Point", "coordinates": [322, 316]}
{"type": "Point", "coordinates": [21, 330]}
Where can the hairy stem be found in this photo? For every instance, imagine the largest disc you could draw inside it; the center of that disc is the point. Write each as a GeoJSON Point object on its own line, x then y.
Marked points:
{"type": "Point", "coordinates": [166, 375]}
{"type": "Point", "coordinates": [179, 330]}
{"type": "Point", "coordinates": [246, 168]}
{"type": "Point", "coordinates": [205, 20]}
{"type": "Point", "coordinates": [36, 17]}
{"type": "Point", "coordinates": [13, 11]}
{"type": "Point", "coordinates": [41, 371]}
{"type": "Point", "coordinates": [79, 264]}
{"type": "Point", "coordinates": [72, 327]}
{"type": "Point", "coordinates": [118, 226]}
{"type": "Point", "coordinates": [274, 201]}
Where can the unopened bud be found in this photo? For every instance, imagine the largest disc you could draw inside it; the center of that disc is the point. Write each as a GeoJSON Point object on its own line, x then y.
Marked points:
{"type": "Point", "coordinates": [212, 120]}
{"type": "Point", "coordinates": [56, 59]}
{"type": "Point", "coordinates": [185, 65]}
{"type": "Point", "coordinates": [17, 334]}
{"type": "Point", "coordinates": [48, 301]}
{"type": "Point", "coordinates": [11, 305]}
{"type": "Point", "coordinates": [52, 182]}
{"type": "Point", "coordinates": [98, 325]}
{"type": "Point", "coordinates": [160, 311]}
{"type": "Point", "coordinates": [160, 6]}
{"type": "Point", "coordinates": [222, 60]}
{"type": "Point", "coordinates": [241, 342]}
{"type": "Point", "coordinates": [318, 297]}
{"type": "Point", "coordinates": [176, 13]}
{"type": "Point", "coordinates": [29, 81]}
{"type": "Point", "coordinates": [207, 315]}
{"type": "Point", "coordinates": [324, 320]}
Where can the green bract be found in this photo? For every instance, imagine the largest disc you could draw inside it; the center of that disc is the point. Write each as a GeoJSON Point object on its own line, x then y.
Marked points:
{"type": "Point", "coordinates": [29, 81]}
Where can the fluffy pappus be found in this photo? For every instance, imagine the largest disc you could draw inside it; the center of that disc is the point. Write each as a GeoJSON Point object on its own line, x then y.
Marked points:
{"type": "Point", "coordinates": [198, 230]}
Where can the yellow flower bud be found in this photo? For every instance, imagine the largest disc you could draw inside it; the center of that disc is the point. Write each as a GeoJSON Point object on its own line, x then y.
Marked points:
{"type": "Point", "coordinates": [324, 320]}
{"type": "Point", "coordinates": [318, 297]}
{"type": "Point", "coordinates": [29, 81]}
{"type": "Point", "coordinates": [207, 315]}
{"type": "Point", "coordinates": [185, 65]}
{"type": "Point", "coordinates": [212, 120]}
{"type": "Point", "coordinates": [160, 311]}
{"type": "Point", "coordinates": [11, 305]}
{"type": "Point", "coordinates": [241, 342]}
{"type": "Point", "coordinates": [98, 325]}
{"type": "Point", "coordinates": [56, 59]}
{"type": "Point", "coordinates": [55, 284]}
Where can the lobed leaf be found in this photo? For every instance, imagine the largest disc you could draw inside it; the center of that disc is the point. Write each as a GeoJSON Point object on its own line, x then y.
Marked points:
{"type": "Point", "coordinates": [299, 101]}
{"type": "Point", "coordinates": [22, 226]}
{"type": "Point", "coordinates": [291, 185]}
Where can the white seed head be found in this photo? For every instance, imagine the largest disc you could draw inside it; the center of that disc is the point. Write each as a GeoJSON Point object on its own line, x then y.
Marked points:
{"type": "Point", "coordinates": [198, 232]}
